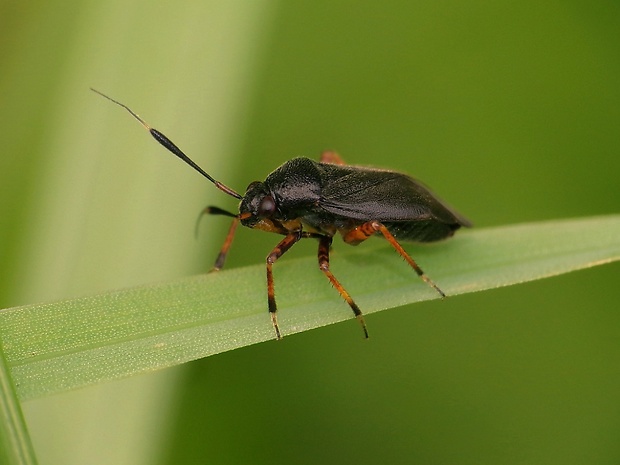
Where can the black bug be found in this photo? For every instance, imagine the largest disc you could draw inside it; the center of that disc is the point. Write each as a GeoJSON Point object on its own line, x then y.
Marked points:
{"type": "Point", "coordinates": [308, 199]}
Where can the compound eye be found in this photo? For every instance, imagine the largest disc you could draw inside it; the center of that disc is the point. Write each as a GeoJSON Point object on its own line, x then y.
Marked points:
{"type": "Point", "coordinates": [267, 206]}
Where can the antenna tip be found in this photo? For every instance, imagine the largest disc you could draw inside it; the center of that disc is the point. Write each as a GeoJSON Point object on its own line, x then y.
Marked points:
{"type": "Point", "coordinates": [135, 115]}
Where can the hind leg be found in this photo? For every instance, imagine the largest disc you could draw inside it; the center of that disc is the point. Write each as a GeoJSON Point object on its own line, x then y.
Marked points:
{"type": "Point", "coordinates": [364, 231]}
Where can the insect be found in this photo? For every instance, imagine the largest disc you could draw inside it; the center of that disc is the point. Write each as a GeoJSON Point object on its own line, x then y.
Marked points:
{"type": "Point", "coordinates": [308, 199]}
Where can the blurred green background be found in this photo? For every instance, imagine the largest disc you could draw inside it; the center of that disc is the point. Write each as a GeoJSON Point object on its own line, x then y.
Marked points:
{"type": "Point", "coordinates": [509, 110]}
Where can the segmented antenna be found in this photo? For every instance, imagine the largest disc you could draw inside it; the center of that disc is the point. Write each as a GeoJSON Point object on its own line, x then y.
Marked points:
{"type": "Point", "coordinates": [167, 143]}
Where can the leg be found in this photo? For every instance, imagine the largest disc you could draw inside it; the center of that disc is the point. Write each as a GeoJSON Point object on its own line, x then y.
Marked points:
{"type": "Point", "coordinates": [329, 156]}
{"type": "Point", "coordinates": [364, 231]}
{"type": "Point", "coordinates": [324, 244]}
{"type": "Point", "coordinates": [221, 258]}
{"type": "Point", "coordinates": [276, 253]}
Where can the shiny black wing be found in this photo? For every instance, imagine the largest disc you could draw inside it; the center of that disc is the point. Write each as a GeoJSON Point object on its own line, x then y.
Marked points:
{"type": "Point", "coordinates": [400, 202]}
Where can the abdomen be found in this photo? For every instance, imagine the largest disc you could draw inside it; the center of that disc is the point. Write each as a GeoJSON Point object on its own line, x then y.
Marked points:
{"type": "Point", "coordinates": [422, 231]}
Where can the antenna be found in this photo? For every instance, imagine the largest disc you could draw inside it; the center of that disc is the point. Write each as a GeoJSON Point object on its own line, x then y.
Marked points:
{"type": "Point", "coordinates": [167, 143]}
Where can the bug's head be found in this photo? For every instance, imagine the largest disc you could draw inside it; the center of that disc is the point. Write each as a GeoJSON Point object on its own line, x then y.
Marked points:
{"type": "Point", "coordinates": [258, 207]}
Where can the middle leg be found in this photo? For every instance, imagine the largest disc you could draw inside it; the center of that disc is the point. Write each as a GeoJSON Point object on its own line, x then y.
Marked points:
{"type": "Point", "coordinates": [324, 245]}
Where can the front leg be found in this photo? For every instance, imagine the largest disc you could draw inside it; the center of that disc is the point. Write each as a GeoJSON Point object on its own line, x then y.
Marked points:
{"type": "Point", "coordinates": [284, 245]}
{"type": "Point", "coordinates": [221, 258]}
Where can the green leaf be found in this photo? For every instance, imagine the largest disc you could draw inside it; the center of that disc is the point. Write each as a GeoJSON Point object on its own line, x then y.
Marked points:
{"type": "Point", "coordinates": [59, 346]}
{"type": "Point", "coordinates": [15, 445]}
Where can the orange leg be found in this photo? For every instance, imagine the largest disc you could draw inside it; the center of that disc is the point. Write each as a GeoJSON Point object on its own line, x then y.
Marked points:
{"type": "Point", "coordinates": [324, 244]}
{"type": "Point", "coordinates": [331, 157]}
{"type": "Point", "coordinates": [284, 245]}
{"type": "Point", "coordinates": [364, 231]}
{"type": "Point", "coordinates": [221, 258]}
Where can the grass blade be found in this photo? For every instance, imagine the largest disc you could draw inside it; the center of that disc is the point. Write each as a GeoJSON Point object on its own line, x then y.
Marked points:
{"type": "Point", "coordinates": [59, 346]}
{"type": "Point", "coordinates": [15, 445]}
